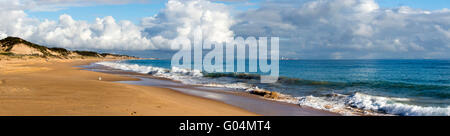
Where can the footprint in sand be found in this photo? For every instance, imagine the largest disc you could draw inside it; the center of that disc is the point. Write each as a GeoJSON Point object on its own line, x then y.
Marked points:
{"type": "Point", "coordinates": [2, 81]}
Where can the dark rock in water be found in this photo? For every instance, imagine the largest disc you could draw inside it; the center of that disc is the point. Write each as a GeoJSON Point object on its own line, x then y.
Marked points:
{"type": "Point", "coordinates": [332, 95]}
{"type": "Point", "coordinates": [265, 94]}
{"type": "Point", "coordinates": [328, 106]}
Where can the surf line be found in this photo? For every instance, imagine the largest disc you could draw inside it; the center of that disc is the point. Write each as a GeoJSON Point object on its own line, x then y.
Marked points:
{"type": "Point", "coordinates": [192, 126]}
{"type": "Point", "coordinates": [232, 51]}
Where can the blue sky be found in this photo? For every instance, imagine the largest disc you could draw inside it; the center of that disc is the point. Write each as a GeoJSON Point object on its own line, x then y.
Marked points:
{"type": "Point", "coordinates": [136, 11]}
{"type": "Point", "coordinates": [133, 12]}
{"type": "Point", "coordinates": [422, 4]}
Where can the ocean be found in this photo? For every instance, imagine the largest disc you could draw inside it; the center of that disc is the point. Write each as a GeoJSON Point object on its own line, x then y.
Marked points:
{"type": "Point", "coordinates": [348, 87]}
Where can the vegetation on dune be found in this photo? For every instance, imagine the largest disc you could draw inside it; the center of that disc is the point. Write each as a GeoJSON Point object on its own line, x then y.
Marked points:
{"type": "Point", "coordinates": [114, 55]}
{"type": "Point", "coordinates": [8, 44]}
{"type": "Point", "coordinates": [61, 51]}
{"type": "Point", "coordinates": [7, 53]}
{"type": "Point", "coordinates": [87, 53]}
{"type": "Point", "coordinates": [109, 54]}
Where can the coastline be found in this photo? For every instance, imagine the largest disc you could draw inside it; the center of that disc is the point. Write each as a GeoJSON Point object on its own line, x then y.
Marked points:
{"type": "Point", "coordinates": [253, 103]}
{"type": "Point", "coordinates": [39, 87]}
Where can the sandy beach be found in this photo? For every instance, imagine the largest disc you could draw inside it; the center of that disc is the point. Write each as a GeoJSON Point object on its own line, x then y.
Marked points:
{"type": "Point", "coordinates": [37, 87]}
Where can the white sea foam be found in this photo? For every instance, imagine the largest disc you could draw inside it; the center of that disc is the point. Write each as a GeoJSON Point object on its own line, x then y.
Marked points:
{"type": "Point", "coordinates": [186, 76]}
{"type": "Point", "coordinates": [241, 86]}
{"type": "Point", "coordinates": [327, 103]}
{"type": "Point", "coordinates": [388, 105]}
{"type": "Point", "coordinates": [179, 74]}
{"type": "Point", "coordinates": [134, 67]}
{"type": "Point", "coordinates": [183, 71]}
{"type": "Point", "coordinates": [360, 103]}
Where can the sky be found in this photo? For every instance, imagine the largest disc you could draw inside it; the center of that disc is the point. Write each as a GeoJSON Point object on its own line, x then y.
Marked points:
{"type": "Point", "coordinates": [422, 4]}
{"type": "Point", "coordinates": [135, 11]}
{"type": "Point", "coordinates": [308, 29]}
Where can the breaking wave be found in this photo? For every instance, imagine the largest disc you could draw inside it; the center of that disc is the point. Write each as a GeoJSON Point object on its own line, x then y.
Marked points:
{"type": "Point", "coordinates": [360, 103]}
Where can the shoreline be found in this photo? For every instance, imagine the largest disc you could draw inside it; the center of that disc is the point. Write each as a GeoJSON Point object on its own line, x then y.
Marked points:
{"type": "Point", "coordinates": [37, 87]}
{"type": "Point", "coordinates": [247, 101]}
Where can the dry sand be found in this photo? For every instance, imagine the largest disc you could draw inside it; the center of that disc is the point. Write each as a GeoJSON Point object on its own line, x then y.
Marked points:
{"type": "Point", "coordinates": [39, 88]}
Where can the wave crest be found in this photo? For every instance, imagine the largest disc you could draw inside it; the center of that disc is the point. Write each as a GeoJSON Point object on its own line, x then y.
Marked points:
{"type": "Point", "coordinates": [364, 104]}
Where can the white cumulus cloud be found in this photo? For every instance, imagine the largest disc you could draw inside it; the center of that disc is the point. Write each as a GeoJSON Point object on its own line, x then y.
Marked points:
{"type": "Point", "coordinates": [104, 33]}
{"type": "Point", "coordinates": [184, 19]}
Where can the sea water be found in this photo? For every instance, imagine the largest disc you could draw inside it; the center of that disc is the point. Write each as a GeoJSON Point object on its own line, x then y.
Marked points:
{"type": "Point", "coordinates": [349, 87]}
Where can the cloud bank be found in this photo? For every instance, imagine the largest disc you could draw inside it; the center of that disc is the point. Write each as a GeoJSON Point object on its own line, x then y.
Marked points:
{"type": "Point", "coordinates": [180, 19]}
{"type": "Point", "coordinates": [104, 33]}
{"type": "Point", "coordinates": [350, 29]}
{"type": "Point", "coordinates": [322, 29]}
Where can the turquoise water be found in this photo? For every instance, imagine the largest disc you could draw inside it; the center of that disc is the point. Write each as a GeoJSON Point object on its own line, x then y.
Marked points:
{"type": "Point", "coordinates": [401, 87]}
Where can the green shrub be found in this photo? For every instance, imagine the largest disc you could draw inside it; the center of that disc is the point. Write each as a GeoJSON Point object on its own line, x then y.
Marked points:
{"type": "Point", "coordinates": [7, 53]}
{"type": "Point", "coordinates": [61, 51]}
{"type": "Point", "coordinates": [87, 53]}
